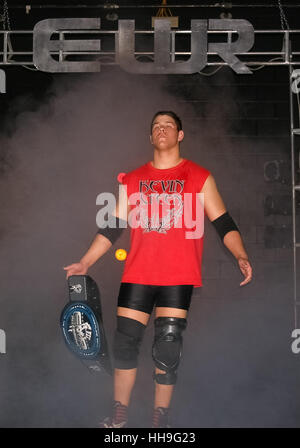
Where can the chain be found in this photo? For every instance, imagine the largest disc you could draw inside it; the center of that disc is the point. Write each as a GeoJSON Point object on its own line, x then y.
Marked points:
{"type": "Point", "coordinates": [6, 20]}
{"type": "Point", "coordinates": [283, 19]}
{"type": "Point", "coordinates": [6, 27]}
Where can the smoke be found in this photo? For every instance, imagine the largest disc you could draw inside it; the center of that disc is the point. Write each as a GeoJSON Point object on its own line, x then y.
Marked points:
{"type": "Point", "coordinates": [56, 157]}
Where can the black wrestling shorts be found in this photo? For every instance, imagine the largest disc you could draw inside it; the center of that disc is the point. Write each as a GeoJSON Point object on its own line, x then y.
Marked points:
{"type": "Point", "coordinates": [144, 297]}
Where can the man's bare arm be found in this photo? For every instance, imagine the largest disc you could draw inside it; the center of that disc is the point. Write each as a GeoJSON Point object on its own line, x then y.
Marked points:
{"type": "Point", "coordinates": [214, 208]}
{"type": "Point", "coordinates": [100, 244]}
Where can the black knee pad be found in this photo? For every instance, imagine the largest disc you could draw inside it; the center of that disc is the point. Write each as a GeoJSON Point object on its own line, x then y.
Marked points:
{"type": "Point", "coordinates": [167, 347]}
{"type": "Point", "coordinates": [127, 341]}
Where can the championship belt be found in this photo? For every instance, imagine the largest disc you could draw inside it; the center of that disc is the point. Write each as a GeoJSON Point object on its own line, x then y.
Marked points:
{"type": "Point", "coordinates": [82, 326]}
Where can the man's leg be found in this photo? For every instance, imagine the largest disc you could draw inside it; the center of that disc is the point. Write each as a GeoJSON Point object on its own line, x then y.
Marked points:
{"type": "Point", "coordinates": [164, 392]}
{"type": "Point", "coordinates": [130, 328]}
{"type": "Point", "coordinates": [124, 379]}
{"type": "Point", "coordinates": [172, 305]}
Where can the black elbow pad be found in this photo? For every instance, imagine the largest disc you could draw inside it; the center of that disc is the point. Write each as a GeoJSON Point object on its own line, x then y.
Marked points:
{"type": "Point", "coordinates": [224, 224]}
{"type": "Point", "coordinates": [113, 233]}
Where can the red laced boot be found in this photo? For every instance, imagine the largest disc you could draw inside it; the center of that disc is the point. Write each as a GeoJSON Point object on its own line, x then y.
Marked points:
{"type": "Point", "coordinates": [119, 417]}
{"type": "Point", "coordinates": [161, 418]}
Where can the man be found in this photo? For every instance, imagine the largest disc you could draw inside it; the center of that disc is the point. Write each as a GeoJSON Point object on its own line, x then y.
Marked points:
{"type": "Point", "coordinates": [164, 262]}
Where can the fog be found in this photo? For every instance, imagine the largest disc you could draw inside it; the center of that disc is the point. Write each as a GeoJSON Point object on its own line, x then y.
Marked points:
{"type": "Point", "coordinates": [237, 367]}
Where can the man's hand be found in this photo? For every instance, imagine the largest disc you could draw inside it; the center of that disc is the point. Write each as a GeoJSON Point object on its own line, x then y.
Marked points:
{"type": "Point", "coordinates": [76, 269]}
{"type": "Point", "coordinates": [246, 270]}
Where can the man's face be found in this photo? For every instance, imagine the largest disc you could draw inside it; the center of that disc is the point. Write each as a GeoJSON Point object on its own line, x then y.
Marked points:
{"type": "Point", "coordinates": [164, 133]}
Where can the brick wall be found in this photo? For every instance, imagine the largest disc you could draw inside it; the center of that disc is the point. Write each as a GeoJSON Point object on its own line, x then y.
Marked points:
{"type": "Point", "coordinates": [234, 124]}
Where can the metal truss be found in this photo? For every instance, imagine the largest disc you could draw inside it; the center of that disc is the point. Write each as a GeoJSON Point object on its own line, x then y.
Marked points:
{"type": "Point", "coordinates": [295, 171]}
{"type": "Point", "coordinates": [112, 4]}
{"type": "Point", "coordinates": [17, 47]}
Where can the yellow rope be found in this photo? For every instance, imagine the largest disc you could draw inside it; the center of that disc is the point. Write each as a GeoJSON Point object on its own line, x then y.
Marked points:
{"type": "Point", "coordinates": [164, 12]}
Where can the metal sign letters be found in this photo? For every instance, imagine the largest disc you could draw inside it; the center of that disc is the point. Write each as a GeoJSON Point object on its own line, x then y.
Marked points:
{"type": "Point", "coordinates": [125, 46]}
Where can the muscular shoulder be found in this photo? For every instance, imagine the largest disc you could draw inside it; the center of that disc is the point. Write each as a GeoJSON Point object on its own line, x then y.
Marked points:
{"type": "Point", "coordinates": [196, 167]}
{"type": "Point", "coordinates": [199, 173]}
{"type": "Point", "coordinates": [133, 174]}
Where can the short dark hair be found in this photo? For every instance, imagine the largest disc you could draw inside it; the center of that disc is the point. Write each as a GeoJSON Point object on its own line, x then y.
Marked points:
{"type": "Point", "coordinates": [170, 113]}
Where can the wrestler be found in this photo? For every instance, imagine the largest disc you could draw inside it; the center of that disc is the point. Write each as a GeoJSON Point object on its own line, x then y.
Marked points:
{"type": "Point", "coordinates": [163, 265]}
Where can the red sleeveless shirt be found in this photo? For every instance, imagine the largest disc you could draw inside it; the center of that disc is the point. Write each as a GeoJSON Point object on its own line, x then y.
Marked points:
{"type": "Point", "coordinates": [166, 248]}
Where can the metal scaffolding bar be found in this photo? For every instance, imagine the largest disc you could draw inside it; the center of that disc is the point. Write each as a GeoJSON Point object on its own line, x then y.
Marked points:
{"type": "Point", "coordinates": [295, 136]}
{"type": "Point", "coordinates": [225, 5]}
{"type": "Point", "coordinates": [252, 58]}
